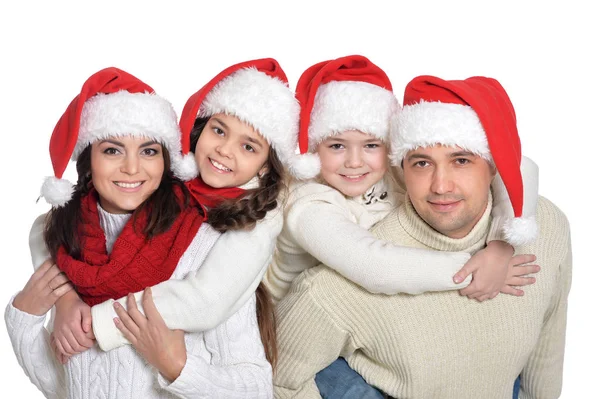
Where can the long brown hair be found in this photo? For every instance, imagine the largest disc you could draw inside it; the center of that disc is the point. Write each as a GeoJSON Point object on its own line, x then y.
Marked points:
{"type": "Point", "coordinates": [243, 213]}
{"type": "Point", "coordinates": [62, 223]}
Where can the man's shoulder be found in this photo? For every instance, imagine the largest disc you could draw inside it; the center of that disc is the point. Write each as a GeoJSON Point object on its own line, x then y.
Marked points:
{"type": "Point", "coordinates": [549, 216]}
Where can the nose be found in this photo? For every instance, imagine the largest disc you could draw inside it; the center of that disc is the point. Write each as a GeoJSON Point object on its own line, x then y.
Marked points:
{"type": "Point", "coordinates": [131, 164]}
{"type": "Point", "coordinates": [224, 148]}
{"type": "Point", "coordinates": [442, 181]}
{"type": "Point", "coordinates": [354, 158]}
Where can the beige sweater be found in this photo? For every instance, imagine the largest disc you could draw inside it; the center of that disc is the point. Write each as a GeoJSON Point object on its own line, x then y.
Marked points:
{"type": "Point", "coordinates": [439, 344]}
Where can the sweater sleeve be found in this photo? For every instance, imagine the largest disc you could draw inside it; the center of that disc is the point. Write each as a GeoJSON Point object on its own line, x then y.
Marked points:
{"type": "Point", "coordinates": [308, 341]}
{"type": "Point", "coordinates": [37, 246]}
{"type": "Point", "coordinates": [238, 367]}
{"type": "Point", "coordinates": [226, 280]}
{"type": "Point", "coordinates": [542, 375]}
{"type": "Point", "coordinates": [31, 345]}
{"type": "Point", "coordinates": [502, 210]}
{"type": "Point", "coordinates": [325, 229]}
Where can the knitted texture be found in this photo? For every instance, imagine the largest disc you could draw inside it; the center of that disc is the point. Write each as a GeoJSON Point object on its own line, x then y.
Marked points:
{"type": "Point", "coordinates": [439, 344]}
{"type": "Point", "coordinates": [135, 261]}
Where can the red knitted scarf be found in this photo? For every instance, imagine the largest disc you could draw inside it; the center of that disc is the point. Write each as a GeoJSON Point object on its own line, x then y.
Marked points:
{"type": "Point", "coordinates": [208, 196]}
{"type": "Point", "coordinates": [135, 261]}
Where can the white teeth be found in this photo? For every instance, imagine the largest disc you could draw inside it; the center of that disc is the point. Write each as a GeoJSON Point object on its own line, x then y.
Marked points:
{"type": "Point", "coordinates": [128, 185]}
{"type": "Point", "coordinates": [354, 177]}
{"type": "Point", "coordinates": [219, 166]}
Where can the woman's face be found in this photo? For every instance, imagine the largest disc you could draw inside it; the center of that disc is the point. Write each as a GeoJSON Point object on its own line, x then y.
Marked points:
{"type": "Point", "coordinates": [352, 161]}
{"type": "Point", "coordinates": [229, 152]}
{"type": "Point", "coordinates": [126, 171]}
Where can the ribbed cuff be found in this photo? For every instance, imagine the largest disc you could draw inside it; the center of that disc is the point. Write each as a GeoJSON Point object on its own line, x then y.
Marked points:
{"type": "Point", "coordinates": [107, 334]}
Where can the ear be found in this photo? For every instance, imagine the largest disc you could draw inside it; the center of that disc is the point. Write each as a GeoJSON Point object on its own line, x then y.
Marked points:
{"type": "Point", "coordinates": [263, 170]}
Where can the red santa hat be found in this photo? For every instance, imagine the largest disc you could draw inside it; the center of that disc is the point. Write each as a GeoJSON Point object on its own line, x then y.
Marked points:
{"type": "Point", "coordinates": [348, 93]}
{"type": "Point", "coordinates": [111, 103]}
{"type": "Point", "coordinates": [475, 114]}
{"type": "Point", "coordinates": [256, 92]}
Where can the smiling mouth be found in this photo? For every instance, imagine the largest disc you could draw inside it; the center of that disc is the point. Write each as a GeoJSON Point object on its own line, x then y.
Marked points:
{"type": "Point", "coordinates": [219, 166]}
{"type": "Point", "coordinates": [131, 185]}
{"type": "Point", "coordinates": [354, 177]}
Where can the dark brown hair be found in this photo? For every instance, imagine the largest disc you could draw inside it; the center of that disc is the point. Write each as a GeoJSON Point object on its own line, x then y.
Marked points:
{"type": "Point", "coordinates": [243, 214]}
{"type": "Point", "coordinates": [62, 223]}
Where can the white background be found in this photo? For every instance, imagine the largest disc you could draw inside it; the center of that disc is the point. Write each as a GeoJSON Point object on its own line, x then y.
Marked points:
{"type": "Point", "coordinates": [544, 55]}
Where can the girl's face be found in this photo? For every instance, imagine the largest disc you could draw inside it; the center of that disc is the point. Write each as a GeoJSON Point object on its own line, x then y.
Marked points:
{"type": "Point", "coordinates": [229, 152]}
{"type": "Point", "coordinates": [126, 171]}
{"type": "Point", "coordinates": [352, 162]}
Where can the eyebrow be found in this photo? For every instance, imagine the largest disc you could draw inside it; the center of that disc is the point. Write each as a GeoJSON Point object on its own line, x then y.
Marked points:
{"type": "Point", "coordinates": [120, 144]}
{"type": "Point", "coordinates": [455, 154]}
{"type": "Point", "coordinates": [245, 136]}
{"type": "Point", "coordinates": [369, 140]}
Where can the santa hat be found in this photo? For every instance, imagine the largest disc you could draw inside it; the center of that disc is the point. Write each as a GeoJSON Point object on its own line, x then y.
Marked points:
{"type": "Point", "coordinates": [111, 103]}
{"type": "Point", "coordinates": [256, 92]}
{"type": "Point", "coordinates": [348, 93]}
{"type": "Point", "coordinates": [475, 114]}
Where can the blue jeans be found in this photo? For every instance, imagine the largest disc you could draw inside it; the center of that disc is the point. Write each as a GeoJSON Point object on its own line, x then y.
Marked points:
{"type": "Point", "coordinates": [339, 381]}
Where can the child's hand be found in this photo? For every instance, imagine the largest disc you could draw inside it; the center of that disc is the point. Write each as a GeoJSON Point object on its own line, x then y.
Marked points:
{"type": "Point", "coordinates": [517, 274]}
{"type": "Point", "coordinates": [63, 359]}
{"type": "Point", "coordinates": [73, 325]}
{"type": "Point", "coordinates": [490, 268]}
{"type": "Point", "coordinates": [152, 339]}
{"type": "Point", "coordinates": [45, 286]}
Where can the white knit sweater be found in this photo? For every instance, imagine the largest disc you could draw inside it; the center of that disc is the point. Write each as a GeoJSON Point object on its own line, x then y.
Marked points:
{"type": "Point", "coordinates": [225, 362]}
{"type": "Point", "coordinates": [226, 281]}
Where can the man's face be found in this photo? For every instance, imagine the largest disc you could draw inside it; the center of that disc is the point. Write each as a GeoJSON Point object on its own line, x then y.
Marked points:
{"type": "Point", "coordinates": [448, 187]}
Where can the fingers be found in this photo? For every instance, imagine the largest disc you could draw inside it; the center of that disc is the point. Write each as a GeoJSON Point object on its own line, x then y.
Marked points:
{"type": "Point", "coordinates": [507, 289]}
{"type": "Point", "coordinates": [50, 274]}
{"type": "Point", "coordinates": [62, 290]}
{"type": "Point", "coordinates": [125, 321]}
{"type": "Point", "coordinates": [462, 274]}
{"type": "Point", "coordinates": [524, 270]}
{"type": "Point", "coordinates": [150, 308]}
{"type": "Point", "coordinates": [57, 353]}
{"type": "Point", "coordinates": [520, 281]}
{"type": "Point", "coordinates": [125, 331]}
{"type": "Point", "coordinates": [134, 312]}
{"type": "Point", "coordinates": [86, 320]}
{"type": "Point", "coordinates": [70, 344]}
{"type": "Point", "coordinates": [522, 259]}
{"type": "Point", "coordinates": [45, 267]}
{"type": "Point", "coordinates": [59, 279]}
{"type": "Point", "coordinates": [59, 346]}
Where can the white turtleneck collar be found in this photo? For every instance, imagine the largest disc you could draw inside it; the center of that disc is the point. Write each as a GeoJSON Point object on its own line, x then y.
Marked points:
{"type": "Point", "coordinates": [113, 225]}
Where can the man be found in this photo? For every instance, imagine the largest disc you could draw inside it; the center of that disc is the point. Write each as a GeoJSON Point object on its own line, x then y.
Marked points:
{"type": "Point", "coordinates": [449, 140]}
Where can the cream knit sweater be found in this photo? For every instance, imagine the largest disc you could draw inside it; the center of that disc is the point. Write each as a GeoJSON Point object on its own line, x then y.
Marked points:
{"type": "Point", "coordinates": [225, 362]}
{"type": "Point", "coordinates": [439, 344]}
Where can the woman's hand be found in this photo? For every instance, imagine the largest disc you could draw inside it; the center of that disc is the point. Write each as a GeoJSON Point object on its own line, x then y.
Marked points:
{"type": "Point", "coordinates": [45, 286]}
{"type": "Point", "coordinates": [154, 341]}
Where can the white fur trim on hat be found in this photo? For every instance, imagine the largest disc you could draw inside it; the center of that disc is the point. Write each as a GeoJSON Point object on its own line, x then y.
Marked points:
{"type": "Point", "coordinates": [347, 105]}
{"type": "Point", "coordinates": [57, 192]}
{"type": "Point", "coordinates": [185, 167]}
{"type": "Point", "coordinates": [427, 124]}
{"type": "Point", "coordinates": [264, 102]}
{"type": "Point", "coordinates": [128, 114]}
{"type": "Point", "coordinates": [305, 166]}
{"type": "Point", "coordinates": [520, 231]}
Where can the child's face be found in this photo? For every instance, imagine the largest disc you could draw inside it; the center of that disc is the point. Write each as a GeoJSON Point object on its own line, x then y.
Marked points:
{"type": "Point", "coordinates": [229, 152]}
{"type": "Point", "coordinates": [126, 171]}
{"type": "Point", "coordinates": [352, 162]}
